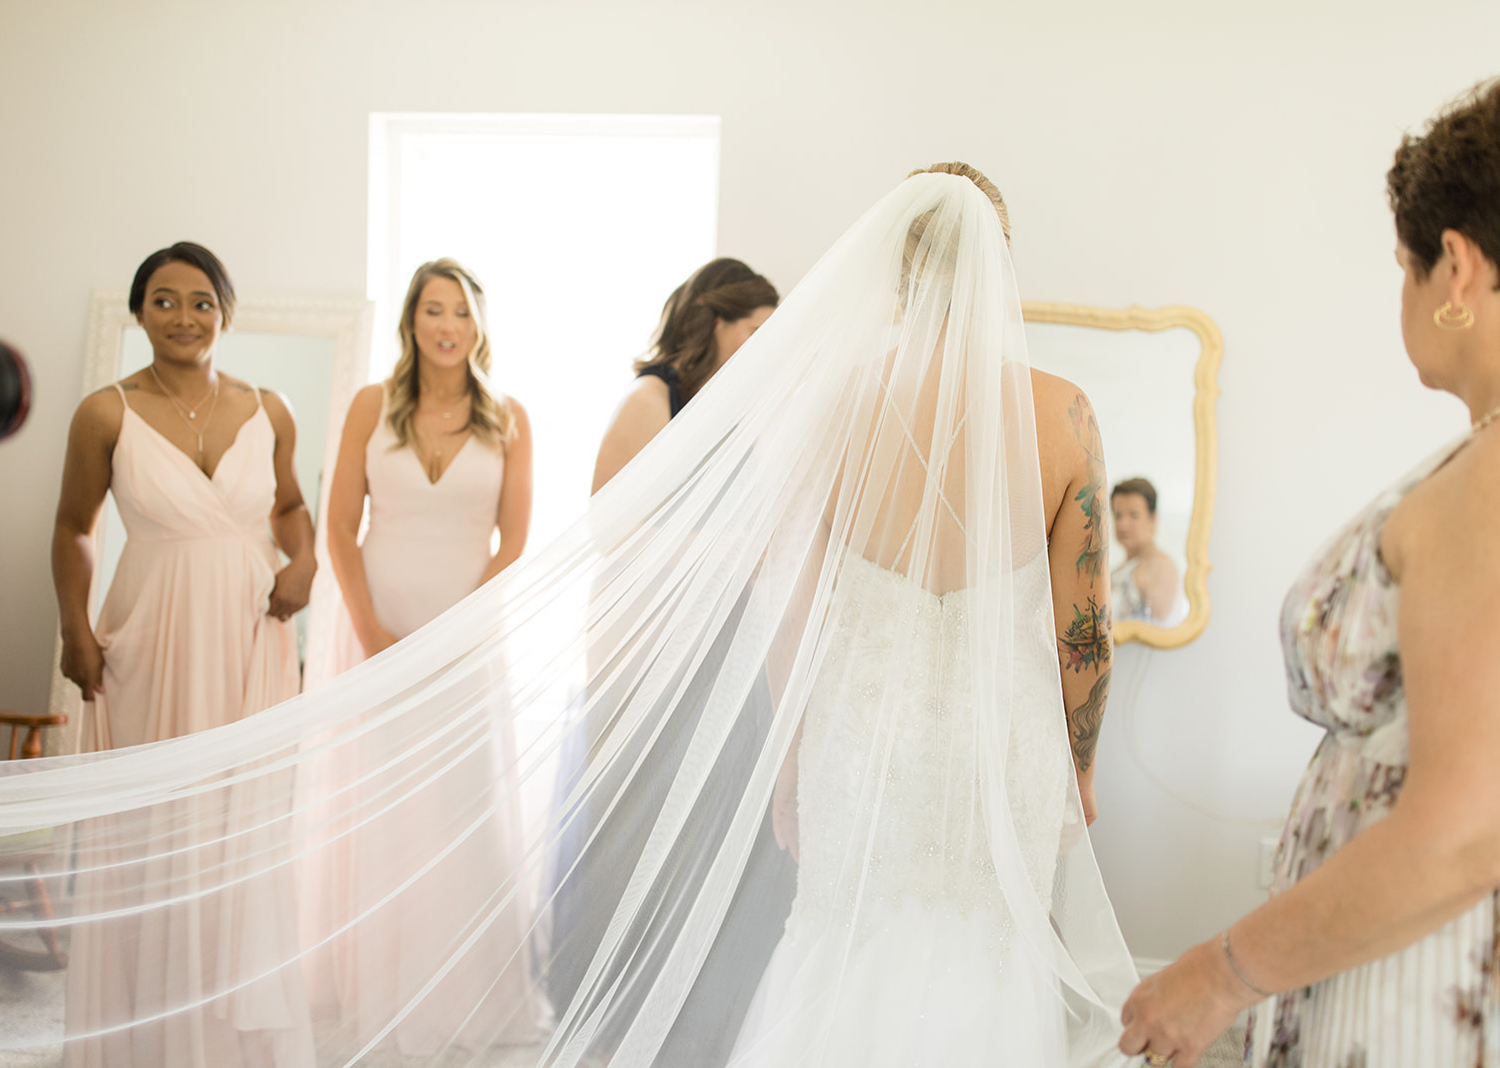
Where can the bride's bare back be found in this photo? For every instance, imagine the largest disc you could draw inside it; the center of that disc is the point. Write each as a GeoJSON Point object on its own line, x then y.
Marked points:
{"type": "Point", "coordinates": [921, 468]}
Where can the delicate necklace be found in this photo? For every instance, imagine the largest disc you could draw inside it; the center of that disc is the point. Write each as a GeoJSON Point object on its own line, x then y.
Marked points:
{"type": "Point", "coordinates": [190, 415]}
{"type": "Point", "coordinates": [455, 404]}
{"type": "Point", "coordinates": [1485, 420]}
{"type": "Point", "coordinates": [192, 411]}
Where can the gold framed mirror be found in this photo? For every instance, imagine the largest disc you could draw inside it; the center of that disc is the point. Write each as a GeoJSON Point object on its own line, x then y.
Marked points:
{"type": "Point", "coordinates": [1152, 376]}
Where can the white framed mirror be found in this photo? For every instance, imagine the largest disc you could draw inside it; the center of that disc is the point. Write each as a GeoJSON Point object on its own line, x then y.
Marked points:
{"type": "Point", "coordinates": [1152, 377]}
{"type": "Point", "coordinates": [315, 351]}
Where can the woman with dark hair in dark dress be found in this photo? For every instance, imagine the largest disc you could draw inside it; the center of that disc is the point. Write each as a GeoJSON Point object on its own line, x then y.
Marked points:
{"type": "Point", "coordinates": [703, 323]}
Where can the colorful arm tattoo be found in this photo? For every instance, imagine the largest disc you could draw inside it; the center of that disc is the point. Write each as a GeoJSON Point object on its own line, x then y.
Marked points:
{"type": "Point", "coordinates": [1087, 641]}
{"type": "Point", "coordinates": [1091, 497]}
{"type": "Point", "coordinates": [1084, 722]}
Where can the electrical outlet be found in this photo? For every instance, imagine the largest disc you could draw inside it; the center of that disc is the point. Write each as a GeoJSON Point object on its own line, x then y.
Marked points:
{"type": "Point", "coordinates": [1267, 861]}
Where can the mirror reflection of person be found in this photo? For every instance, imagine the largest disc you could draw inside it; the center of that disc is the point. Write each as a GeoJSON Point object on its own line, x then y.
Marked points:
{"type": "Point", "coordinates": [1145, 586]}
{"type": "Point", "coordinates": [193, 634]}
{"type": "Point", "coordinates": [445, 463]}
{"type": "Point", "coordinates": [1378, 946]}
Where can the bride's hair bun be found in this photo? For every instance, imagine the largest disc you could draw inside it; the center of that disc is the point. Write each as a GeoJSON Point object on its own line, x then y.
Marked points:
{"type": "Point", "coordinates": [975, 175]}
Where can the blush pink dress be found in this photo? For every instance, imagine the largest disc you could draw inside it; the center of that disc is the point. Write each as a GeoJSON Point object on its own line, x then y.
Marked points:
{"type": "Point", "coordinates": [188, 646]}
{"type": "Point", "coordinates": [426, 548]}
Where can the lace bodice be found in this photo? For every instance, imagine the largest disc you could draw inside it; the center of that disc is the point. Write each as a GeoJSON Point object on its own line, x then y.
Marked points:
{"type": "Point", "coordinates": [892, 771]}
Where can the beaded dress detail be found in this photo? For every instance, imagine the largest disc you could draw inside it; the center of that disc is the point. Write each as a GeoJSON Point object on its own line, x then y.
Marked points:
{"type": "Point", "coordinates": [895, 877]}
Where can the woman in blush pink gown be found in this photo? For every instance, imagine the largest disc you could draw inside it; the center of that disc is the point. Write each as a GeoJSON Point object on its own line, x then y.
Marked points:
{"type": "Point", "coordinates": [193, 634]}
{"type": "Point", "coordinates": [445, 464]}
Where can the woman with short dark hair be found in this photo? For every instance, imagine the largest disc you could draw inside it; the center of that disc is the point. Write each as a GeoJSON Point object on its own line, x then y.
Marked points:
{"type": "Point", "coordinates": [1145, 586]}
{"type": "Point", "coordinates": [194, 633]}
{"type": "Point", "coordinates": [1380, 945]}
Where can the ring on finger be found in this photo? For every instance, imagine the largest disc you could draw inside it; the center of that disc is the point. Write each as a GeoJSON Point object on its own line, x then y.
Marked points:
{"type": "Point", "coordinates": [1156, 1060]}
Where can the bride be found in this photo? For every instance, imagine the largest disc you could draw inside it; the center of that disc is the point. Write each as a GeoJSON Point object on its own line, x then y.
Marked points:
{"type": "Point", "coordinates": [902, 913]}
{"type": "Point", "coordinates": [877, 521]}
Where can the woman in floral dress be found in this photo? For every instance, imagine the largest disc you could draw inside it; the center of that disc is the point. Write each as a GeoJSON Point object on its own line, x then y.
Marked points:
{"type": "Point", "coordinates": [1379, 946]}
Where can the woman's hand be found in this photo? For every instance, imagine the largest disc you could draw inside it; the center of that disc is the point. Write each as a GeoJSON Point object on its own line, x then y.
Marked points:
{"type": "Point", "coordinates": [1182, 1009]}
{"type": "Point", "coordinates": [293, 589]}
{"type": "Point", "coordinates": [376, 640]}
{"type": "Point", "coordinates": [83, 662]}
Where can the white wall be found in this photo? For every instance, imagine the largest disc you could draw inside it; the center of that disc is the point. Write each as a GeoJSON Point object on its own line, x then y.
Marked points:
{"type": "Point", "coordinates": [1160, 154]}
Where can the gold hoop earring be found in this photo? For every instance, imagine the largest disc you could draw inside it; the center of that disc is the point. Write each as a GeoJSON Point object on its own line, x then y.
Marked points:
{"type": "Point", "coordinates": [1450, 318]}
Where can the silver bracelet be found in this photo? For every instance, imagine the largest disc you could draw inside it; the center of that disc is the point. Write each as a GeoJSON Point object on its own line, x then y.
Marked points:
{"type": "Point", "coordinates": [1235, 967]}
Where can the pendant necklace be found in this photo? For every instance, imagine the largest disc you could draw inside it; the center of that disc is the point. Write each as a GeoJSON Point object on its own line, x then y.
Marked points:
{"type": "Point", "coordinates": [435, 464]}
{"type": "Point", "coordinates": [188, 414]}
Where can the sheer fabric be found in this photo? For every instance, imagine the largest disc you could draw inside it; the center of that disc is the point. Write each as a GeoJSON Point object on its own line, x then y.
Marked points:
{"type": "Point", "coordinates": [833, 559]}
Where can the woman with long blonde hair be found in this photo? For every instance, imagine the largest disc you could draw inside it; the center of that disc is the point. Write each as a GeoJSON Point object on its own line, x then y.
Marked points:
{"type": "Point", "coordinates": [436, 412]}
{"type": "Point", "coordinates": [444, 461]}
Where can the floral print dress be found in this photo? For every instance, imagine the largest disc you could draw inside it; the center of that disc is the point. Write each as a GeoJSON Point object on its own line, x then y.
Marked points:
{"type": "Point", "coordinates": [1436, 1002]}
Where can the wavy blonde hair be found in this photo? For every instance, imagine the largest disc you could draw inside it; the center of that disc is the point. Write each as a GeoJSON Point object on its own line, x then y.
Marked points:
{"type": "Point", "coordinates": [490, 417]}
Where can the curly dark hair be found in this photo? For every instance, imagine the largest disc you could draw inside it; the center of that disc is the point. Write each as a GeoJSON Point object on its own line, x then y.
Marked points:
{"type": "Point", "coordinates": [1449, 179]}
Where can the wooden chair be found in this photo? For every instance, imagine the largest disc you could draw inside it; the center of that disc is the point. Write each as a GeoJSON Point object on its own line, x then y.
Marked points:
{"type": "Point", "coordinates": [28, 852]}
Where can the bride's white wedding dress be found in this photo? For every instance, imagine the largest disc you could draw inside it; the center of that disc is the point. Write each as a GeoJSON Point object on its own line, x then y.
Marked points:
{"type": "Point", "coordinates": [716, 620]}
{"type": "Point", "coordinates": [900, 949]}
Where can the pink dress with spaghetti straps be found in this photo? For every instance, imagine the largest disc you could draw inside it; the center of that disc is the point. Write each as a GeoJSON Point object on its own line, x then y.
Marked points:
{"type": "Point", "coordinates": [188, 646]}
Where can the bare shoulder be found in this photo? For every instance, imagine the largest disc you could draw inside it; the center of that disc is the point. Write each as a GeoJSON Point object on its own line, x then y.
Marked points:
{"type": "Point", "coordinates": [236, 387]}
{"type": "Point", "coordinates": [364, 412]}
{"type": "Point", "coordinates": [1067, 436]}
{"type": "Point", "coordinates": [644, 413]}
{"type": "Point", "coordinates": [278, 407]}
{"type": "Point", "coordinates": [1452, 514]}
{"type": "Point", "coordinates": [367, 402]}
{"type": "Point", "coordinates": [100, 414]}
{"type": "Point", "coordinates": [518, 413]}
{"type": "Point", "coordinates": [1156, 568]}
{"type": "Point", "coordinates": [651, 392]}
{"type": "Point", "coordinates": [1062, 410]}
{"type": "Point", "coordinates": [648, 406]}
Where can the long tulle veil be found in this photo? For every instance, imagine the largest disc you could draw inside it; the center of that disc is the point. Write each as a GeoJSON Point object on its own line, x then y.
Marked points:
{"type": "Point", "coordinates": [831, 565]}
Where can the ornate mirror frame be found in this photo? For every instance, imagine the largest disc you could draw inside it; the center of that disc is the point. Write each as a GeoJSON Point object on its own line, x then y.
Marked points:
{"type": "Point", "coordinates": [347, 321]}
{"type": "Point", "coordinates": [1206, 393]}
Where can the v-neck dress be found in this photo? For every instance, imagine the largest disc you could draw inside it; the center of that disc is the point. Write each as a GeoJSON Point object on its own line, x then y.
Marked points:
{"type": "Point", "coordinates": [428, 542]}
{"type": "Point", "coordinates": [188, 646]}
{"type": "Point", "coordinates": [426, 548]}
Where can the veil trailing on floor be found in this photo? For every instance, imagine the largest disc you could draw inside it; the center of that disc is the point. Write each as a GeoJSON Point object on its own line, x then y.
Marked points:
{"type": "Point", "coordinates": [821, 590]}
